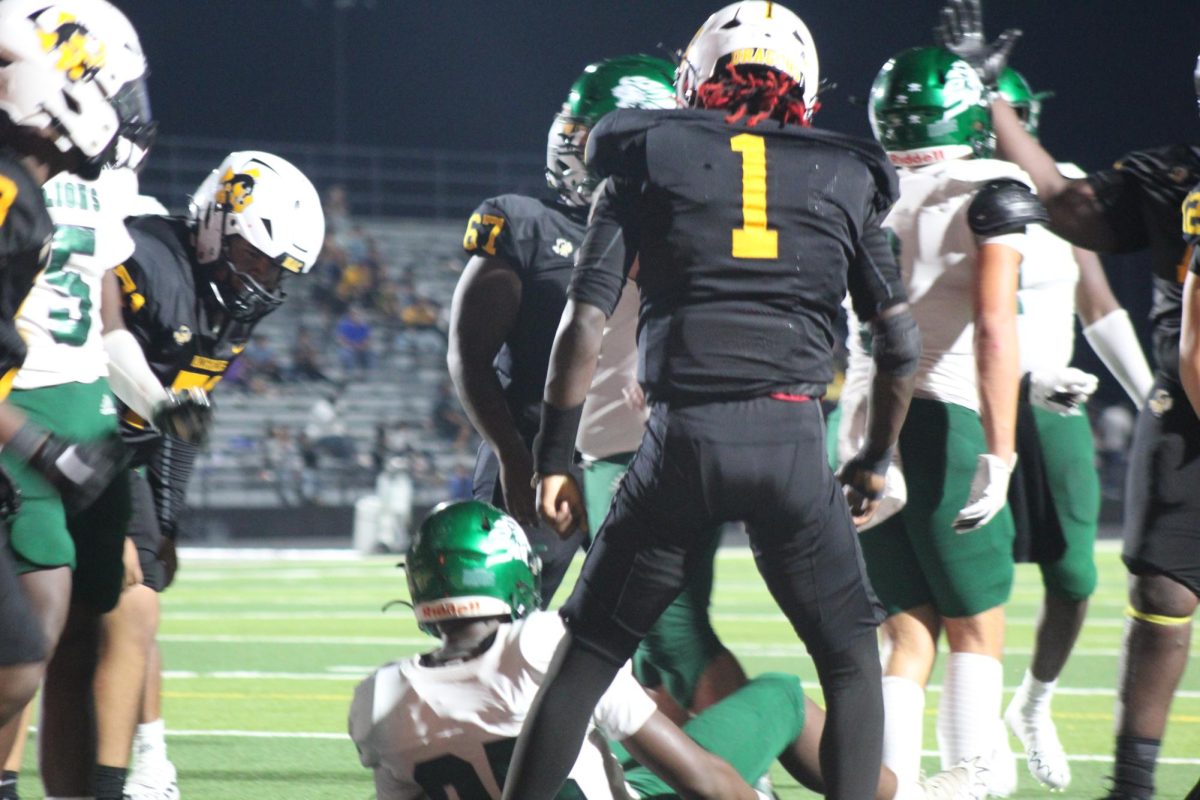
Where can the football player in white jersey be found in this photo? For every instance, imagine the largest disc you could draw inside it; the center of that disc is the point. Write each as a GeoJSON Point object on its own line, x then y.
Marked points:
{"type": "Point", "coordinates": [445, 723]}
{"type": "Point", "coordinates": [944, 562]}
{"type": "Point", "coordinates": [1055, 493]}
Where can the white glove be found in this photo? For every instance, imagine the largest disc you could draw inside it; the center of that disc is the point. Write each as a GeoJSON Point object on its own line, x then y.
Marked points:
{"type": "Point", "coordinates": [989, 493]}
{"type": "Point", "coordinates": [1061, 391]}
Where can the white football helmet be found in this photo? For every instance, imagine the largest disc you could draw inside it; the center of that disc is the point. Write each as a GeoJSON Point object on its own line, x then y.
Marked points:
{"type": "Point", "coordinates": [75, 67]}
{"type": "Point", "coordinates": [750, 32]}
{"type": "Point", "coordinates": [274, 207]}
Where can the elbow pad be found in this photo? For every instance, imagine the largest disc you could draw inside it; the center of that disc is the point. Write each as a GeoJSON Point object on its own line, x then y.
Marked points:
{"type": "Point", "coordinates": [896, 344]}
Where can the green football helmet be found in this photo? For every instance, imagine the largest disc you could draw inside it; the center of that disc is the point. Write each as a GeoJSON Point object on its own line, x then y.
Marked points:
{"type": "Point", "coordinates": [625, 82]}
{"type": "Point", "coordinates": [471, 560]}
{"type": "Point", "coordinates": [928, 105]}
{"type": "Point", "coordinates": [1020, 95]}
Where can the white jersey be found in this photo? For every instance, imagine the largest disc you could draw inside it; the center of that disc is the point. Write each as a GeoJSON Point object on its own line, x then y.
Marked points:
{"type": "Point", "coordinates": [1046, 298]}
{"type": "Point", "coordinates": [60, 318]}
{"type": "Point", "coordinates": [449, 727]}
{"type": "Point", "coordinates": [610, 424]}
{"type": "Point", "coordinates": [938, 254]}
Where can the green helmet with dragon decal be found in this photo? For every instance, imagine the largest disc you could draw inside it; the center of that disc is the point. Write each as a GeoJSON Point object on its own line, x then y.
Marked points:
{"type": "Point", "coordinates": [928, 105]}
{"type": "Point", "coordinates": [637, 81]}
{"type": "Point", "coordinates": [470, 560]}
{"type": "Point", "coordinates": [1020, 95]}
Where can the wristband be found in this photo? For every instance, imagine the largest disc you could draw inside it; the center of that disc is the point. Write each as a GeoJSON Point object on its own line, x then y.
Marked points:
{"type": "Point", "coordinates": [554, 446]}
{"type": "Point", "coordinates": [28, 441]}
{"type": "Point", "coordinates": [878, 466]}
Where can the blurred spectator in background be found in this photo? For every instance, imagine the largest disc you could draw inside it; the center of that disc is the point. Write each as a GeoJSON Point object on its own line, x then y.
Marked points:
{"type": "Point", "coordinates": [459, 484]}
{"type": "Point", "coordinates": [449, 420]}
{"type": "Point", "coordinates": [260, 359]}
{"type": "Point", "coordinates": [353, 336]}
{"type": "Point", "coordinates": [326, 275]}
{"type": "Point", "coordinates": [337, 210]}
{"type": "Point", "coordinates": [306, 359]}
{"type": "Point", "coordinates": [283, 465]}
{"type": "Point", "coordinates": [1114, 429]}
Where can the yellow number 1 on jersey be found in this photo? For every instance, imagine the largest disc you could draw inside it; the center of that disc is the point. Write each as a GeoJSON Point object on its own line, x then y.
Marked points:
{"type": "Point", "coordinates": [754, 239]}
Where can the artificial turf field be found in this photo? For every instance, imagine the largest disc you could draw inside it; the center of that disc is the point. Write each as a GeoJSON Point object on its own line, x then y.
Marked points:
{"type": "Point", "coordinates": [262, 652]}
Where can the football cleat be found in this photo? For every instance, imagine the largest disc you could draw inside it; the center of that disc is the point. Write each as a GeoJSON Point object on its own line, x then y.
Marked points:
{"type": "Point", "coordinates": [625, 82]}
{"type": "Point", "coordinates": [928, 105]}
{"type": "Point", "coordinates": [966, 780]}
{"type": "Point", "coordinates": [470, 560]}
{"type": "Point", "coordinates": [1043, 751]}
{"type": "Point", "coordinates": [152, 782]}
{"type": "Point", "coordinates": [270, 204]}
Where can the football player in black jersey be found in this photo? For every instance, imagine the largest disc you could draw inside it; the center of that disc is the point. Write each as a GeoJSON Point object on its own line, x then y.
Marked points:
{"type": "Point", "coordinates": [1133, 206]}
{"type": "Point", "coordinates": [748, 228]}
{"type": "Point", "coordinates": [193, 291]}
{"type": "Point", "coordinates": [71, 79]}
{"type": "Point", "coordinates": [511, 295]}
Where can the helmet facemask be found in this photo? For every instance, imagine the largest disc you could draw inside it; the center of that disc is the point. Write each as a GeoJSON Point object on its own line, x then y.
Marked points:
{"type": "Point", "coordinates": [565, 169]}
{"type": "Point", "coordinates": [242, 295]}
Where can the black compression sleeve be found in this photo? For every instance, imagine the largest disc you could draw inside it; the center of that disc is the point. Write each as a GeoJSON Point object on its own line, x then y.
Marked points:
{"type": "Point", "coordinates": [554, 446]}
{"type": "Point", "coordinates": [168, 472]}
{"type": "Point", "coordinates": [608, 248]}
{"type": "Point", "coordinates": [874, 278]}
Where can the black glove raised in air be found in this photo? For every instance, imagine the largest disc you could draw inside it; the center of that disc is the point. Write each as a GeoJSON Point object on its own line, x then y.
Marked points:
{"type": "Point", "coordinates": [961, 32]}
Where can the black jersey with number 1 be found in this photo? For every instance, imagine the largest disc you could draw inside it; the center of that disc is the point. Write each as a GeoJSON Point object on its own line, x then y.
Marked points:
{"type": "Point", "coordinates": [748, 239]}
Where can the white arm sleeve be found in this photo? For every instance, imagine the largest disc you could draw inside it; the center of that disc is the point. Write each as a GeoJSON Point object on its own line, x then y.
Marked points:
{"type": "Point", "coordinates": [1116, 343]}
{"type": "Point", "coordinates": [130, 376]}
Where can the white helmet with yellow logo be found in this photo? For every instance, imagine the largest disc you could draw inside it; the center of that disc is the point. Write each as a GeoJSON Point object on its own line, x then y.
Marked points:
{"type": "Point", "coordinates": [749, 32]}
{"type": "Point", "coordinates": [75, 68]}
{"type": "Point", "coordinates": [270, 204]}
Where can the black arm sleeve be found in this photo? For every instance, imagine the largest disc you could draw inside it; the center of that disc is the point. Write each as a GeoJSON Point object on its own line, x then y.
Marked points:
{"type": "Point", "coordinates": [168, 471]}
{"type": "Point", "coordinates": [609, 247]}
{"type": "Point", "coordinates": [1005, 206]}
{"type": "Point", "coordinates": [874, 278]}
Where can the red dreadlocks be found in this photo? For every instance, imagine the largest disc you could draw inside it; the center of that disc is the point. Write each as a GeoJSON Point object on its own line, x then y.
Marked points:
{"type": "Point", "coordinates": [757, 93]}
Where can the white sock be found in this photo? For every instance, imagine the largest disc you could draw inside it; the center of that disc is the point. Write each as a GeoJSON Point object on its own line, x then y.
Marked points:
{"type": "Point", "coordinates": [903, 725]}
{"type": "Point", "coordinates": [150, 741]}
{"type": "Point", "coordinates": [970, 707]}
{"type": "Point", "coordinates": [1034, 696]}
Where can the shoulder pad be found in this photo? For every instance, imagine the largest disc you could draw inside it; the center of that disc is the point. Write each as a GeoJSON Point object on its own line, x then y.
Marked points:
{"type": "Point", "coordinates": [493, 229]}
{"type": "Point", "coordinates": [25, 225]}
{"type": "Point", "coordinates": [614, 145]}
{"type": "Point", "coordinates": [1004, 206]}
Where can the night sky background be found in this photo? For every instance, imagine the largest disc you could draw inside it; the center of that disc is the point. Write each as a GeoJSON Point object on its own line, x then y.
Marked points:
{"type": "Point", "coordinates": [487, 77]}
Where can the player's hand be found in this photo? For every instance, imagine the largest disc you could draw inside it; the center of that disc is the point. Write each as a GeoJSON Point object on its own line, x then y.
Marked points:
{"type": "Point", "coordinates": [186, 414]}
{"type": "Point", "coordinates": [132, 564]}
{"type": "Point", "coordinates": [80, 471]}
{"type": "Point", "coordinates": [561, 504]}
{"type": "Point", "coordinates": [1061, 391]}
{"type": "Point", "coordinates": [516, 481]}
{"type": "Point", "coordinates": [961, 32]}
{"type": "Point", "coordinates": [989, 493]}
{"type": "Point", "coordinates": [863, 487]}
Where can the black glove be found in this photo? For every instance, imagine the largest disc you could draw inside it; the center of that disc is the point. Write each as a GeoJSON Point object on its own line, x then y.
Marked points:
{"type": "Point", "coordinates": [961, 32]}
{"type": "Point", "coordinates": [186, 415]}
{"type": "Point", "coordinates": [81, 471]}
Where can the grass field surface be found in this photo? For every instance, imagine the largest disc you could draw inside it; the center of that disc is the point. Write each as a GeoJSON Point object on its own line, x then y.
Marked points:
{"type": "Point", "coordinates": [262, 652]}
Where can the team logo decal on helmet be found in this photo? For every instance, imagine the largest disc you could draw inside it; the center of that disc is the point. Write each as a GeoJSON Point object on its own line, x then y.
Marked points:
{"type": "Point", "coordinates": [80, 54]}
{"type": "Point", "coordinates": [237, 190]}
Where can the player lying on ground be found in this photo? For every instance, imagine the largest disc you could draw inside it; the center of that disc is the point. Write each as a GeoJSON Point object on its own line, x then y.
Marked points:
{"type": "Point", "coordinates": [444, 723]}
